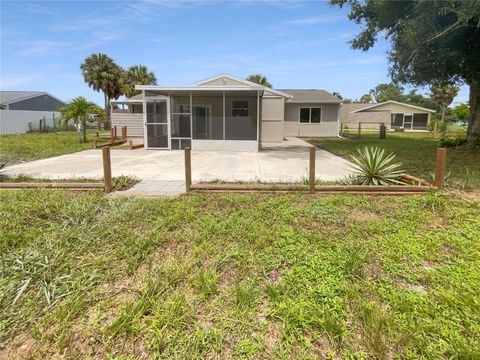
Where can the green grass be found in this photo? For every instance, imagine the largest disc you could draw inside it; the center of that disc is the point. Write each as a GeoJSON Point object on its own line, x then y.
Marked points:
{"type": "Point", "coordinates": [417, 152]}
{"type": "Point", "coordinates": [33, 146]}
{"type": "Point", "coordinates": [238, 276]}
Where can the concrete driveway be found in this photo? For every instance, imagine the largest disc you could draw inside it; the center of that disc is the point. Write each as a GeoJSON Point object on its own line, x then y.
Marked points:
{"type": "Point", "coordinates": [275, 163]}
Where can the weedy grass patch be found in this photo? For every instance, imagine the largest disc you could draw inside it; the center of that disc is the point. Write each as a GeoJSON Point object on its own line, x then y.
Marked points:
{"type": "Point", "coordinates": [417, 153]}
{"type": "Point", "coordinates": [238, 276]}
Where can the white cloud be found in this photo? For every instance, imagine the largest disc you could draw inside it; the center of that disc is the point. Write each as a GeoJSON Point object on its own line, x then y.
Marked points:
{"type": "Point", "coordinates": [12, 81]}
{"type": "Point", "coordinates": [45, 47]}
{"type": "Point", "coordinates": [315, 20]}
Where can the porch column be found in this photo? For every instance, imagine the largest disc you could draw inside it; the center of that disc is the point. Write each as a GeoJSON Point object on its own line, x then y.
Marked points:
{"type": "Point", "coordinates": [258, 117]}
{"type": "Point", "coordinates": [144, 106]}
{"type": "Point", "coordinates": [191, 118]}
{"type": "Point", "coordinates": [223, 115]}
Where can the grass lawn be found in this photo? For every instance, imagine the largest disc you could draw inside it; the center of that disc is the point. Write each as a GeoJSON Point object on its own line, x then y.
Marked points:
{"type": "Point", "coordinates": [238, 276]}
{"type": "Point", "coordinates": [33, 146]}
{"type": "Point", "coordinates": [417, 152]}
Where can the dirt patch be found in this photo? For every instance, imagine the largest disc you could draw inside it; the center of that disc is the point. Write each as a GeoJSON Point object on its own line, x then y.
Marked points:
{"type": "Point", "coordinates": [471, 196]}
{"type": "Point", "coordinates": [421, 289]}
{"type": "Point", "coordinates": [274, 334]}
{"type": "Point", "coordinates": [361, 216]}
{"type": "Point", "coordinates": [275, 276]}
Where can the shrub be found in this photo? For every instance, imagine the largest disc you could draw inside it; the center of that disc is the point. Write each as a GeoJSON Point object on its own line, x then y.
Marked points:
{"type": "Point", "coordinates": [373, 166]}
{"type": "Point", "coordinates": [452, 140]}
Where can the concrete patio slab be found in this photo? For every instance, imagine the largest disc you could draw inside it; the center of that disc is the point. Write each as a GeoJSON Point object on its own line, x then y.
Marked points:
{"type": "Point", "coordinates": [273, 164]}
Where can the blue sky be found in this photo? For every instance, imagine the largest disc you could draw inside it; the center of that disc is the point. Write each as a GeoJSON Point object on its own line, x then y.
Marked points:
{"type": "Point", "coordinates": [295, 44]}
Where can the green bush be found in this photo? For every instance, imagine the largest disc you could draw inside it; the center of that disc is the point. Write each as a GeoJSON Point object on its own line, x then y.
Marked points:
{"type": "Point", "coordinates": [373, 166]}
{"type": "Point", "coordinates": [452, 140]}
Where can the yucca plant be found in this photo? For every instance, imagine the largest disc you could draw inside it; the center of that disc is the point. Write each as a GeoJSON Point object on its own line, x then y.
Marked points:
{"type": "Point", "coordinates": [373, 166]}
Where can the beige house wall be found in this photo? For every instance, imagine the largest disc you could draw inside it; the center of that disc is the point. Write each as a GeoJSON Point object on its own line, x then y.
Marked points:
{"type": "Point", "coordinates": [272, 117]}
{"type": "Point", "coordinates": [399, 109]}
{"type": "Point", "coordinates": [327, 128]}
{"type": "Point", "coordinates": [133, 122]}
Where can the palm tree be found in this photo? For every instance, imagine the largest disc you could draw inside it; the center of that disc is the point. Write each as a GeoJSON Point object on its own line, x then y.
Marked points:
{"type": "Point", "coordinates": [136, 75]}
{"type": "Point", "coordinates": [443, 94]}
{"type": "Point", "coordinates": [259, 79]}
{"type": "Point", "coordinates": [102, 74]}
{"type": "Point", "coordinates": [79, 109]}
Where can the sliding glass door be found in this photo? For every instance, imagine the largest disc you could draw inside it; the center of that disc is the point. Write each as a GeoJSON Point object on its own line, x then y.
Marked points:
{"type": "Point", "coordinates": [157, 127]}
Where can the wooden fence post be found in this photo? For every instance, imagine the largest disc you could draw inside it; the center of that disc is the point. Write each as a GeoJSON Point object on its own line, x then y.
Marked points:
{"type": "Point", "coordinates": [124, 133]}
{"type": "Point", "coordinates": [112, 136]}
{"type": "Point", "coordinates": [434, 129]}
{"type": "Point", "coordinates": [115, 132]}
{"type": "Point", "coordinates": [341, 129]}
{"type": "Point", "coordinates": [359, 129]}
{"type": "Point", "coordinates": [130, 144]}
{"type": "Point", "coordinates": [440, 168]}
{"type": "Point", "coordinates": [311, 174]}
{"type": "Point", "coordinates": [94, 143]}
{"type": "Point", "coordinates": [188, 169]}
{"type": "Point", "coordinates": [107, 169]}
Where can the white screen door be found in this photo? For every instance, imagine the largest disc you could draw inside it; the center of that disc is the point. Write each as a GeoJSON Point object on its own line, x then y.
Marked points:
{"type": "Point", "coordinates": [157, 129]}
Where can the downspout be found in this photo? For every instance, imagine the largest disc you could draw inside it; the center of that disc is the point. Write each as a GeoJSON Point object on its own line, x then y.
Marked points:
{"type": "Point", "coordinates": [338, 122]}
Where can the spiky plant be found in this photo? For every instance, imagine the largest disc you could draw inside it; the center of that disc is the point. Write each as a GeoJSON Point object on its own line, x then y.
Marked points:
{"type": "Point", "coordinates": [373, 166]}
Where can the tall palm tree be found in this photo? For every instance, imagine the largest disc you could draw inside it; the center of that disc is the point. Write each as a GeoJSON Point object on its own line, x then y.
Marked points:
{"type": "Point", "coordinates": [102, 74]}
{"type": "Point", "coordinates": [136, 75]}
{"type": "Point", "coordinates": [79, 109]}
{"type": "Point", "coordinates": [443, 94]}
{"type": "Point", "coordinates": [259, 79]}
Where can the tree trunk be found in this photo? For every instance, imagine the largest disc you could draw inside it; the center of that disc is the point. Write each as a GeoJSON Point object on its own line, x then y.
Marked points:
{"type": "Point", "coordinates": [473, 129]}
{"type": "Point", "coordinates": [84, 130]}
{"type": "Point", "coordinates": [106, 123]}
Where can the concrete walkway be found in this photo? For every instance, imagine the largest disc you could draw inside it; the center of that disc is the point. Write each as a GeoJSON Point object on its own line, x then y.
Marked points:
{"type": "Point", "coordinates": [284, 162]}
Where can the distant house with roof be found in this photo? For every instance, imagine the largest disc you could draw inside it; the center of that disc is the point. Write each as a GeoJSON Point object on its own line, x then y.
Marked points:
{"type": "Point", "coordinates": [29, 100]}
{"type": "Point", "coordinates": [23, 111]}
{"type": "Point", "coordinates": [394, 114]}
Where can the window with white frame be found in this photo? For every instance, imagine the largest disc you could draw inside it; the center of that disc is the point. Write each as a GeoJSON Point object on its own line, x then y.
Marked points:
{"type": "Point", "coordinates": [310, 115]}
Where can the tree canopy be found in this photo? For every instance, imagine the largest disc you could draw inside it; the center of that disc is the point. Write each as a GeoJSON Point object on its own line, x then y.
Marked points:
{"type": "Point", "coordinates": [432, 41]}
{"type": "Point", "coordinates": [136, 75]}
{"type": "Point", "coordinates": [259, 79]}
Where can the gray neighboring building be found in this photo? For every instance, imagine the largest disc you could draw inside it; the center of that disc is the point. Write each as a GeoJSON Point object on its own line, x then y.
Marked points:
{"type": "Point", "coordinates": [29, 100]}
{"type": "Point", "coordinates": [225, 113]}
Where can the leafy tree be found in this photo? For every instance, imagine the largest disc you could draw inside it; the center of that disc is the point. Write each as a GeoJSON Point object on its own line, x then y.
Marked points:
{"type": "Point", "coordinates": [102, 74]}
{"type": "Point", "coordinates": [461, 112]}
{"type": "Point", "coordinates": [443, 94]}
{"type": "Point", "coordinates": [432, 42]}
{"type": "Point", "coordinates": [337, 94]}
{"type": "Point", "coordinates": [347, 101]}
{"type": "Point", "coordinates": [136, 75]}
{"type": "Point", "coordinates": [79, 110]}
{"type": "Point", "coordinates": [259, 79]}
{"type": "Point", "coordinates": [385, 92]}
{"type": "Point", "coordinates": [367, 98]}
{"type": "Point", "coordinates": [419, 100]}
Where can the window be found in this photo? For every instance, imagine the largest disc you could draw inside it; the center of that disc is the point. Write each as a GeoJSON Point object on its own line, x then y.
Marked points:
{"type": "Point", "coordinates": [310, 115]}
{"type": "Point", "coordinates": [239, 108]}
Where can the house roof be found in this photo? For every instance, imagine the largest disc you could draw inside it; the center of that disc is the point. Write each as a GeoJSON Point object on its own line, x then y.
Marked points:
{"type": "Point", "coordinates": [8, 97]}
{"type": "Point", "coordinates": [369, 107]}
{"type": "Point", "coordinates": [311, 96]}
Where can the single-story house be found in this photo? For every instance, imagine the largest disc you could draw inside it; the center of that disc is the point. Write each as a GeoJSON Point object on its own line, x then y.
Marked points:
{"type": "Point", "coordinates": [394, 114]}
{"type": "Point", "coordinates": [225, 113]}
{"type": "Point", "coordinates": [29, 100]}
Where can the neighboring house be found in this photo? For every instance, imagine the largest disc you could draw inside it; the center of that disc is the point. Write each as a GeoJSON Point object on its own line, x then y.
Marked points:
{"type": "Point", "coordinates": [225, 113]}
{"type": "Point", "coordinates": [29, 100]}
{"type": "Point", "coordinates": [394, 114]}
{"type": "Point", "coordinates": [22, 111]}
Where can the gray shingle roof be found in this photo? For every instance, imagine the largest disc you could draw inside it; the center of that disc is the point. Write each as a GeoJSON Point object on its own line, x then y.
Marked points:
{"type": "Point", "coordinates": [311, 96]}
{"type": "Point", "coordinates": [7, 97]}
